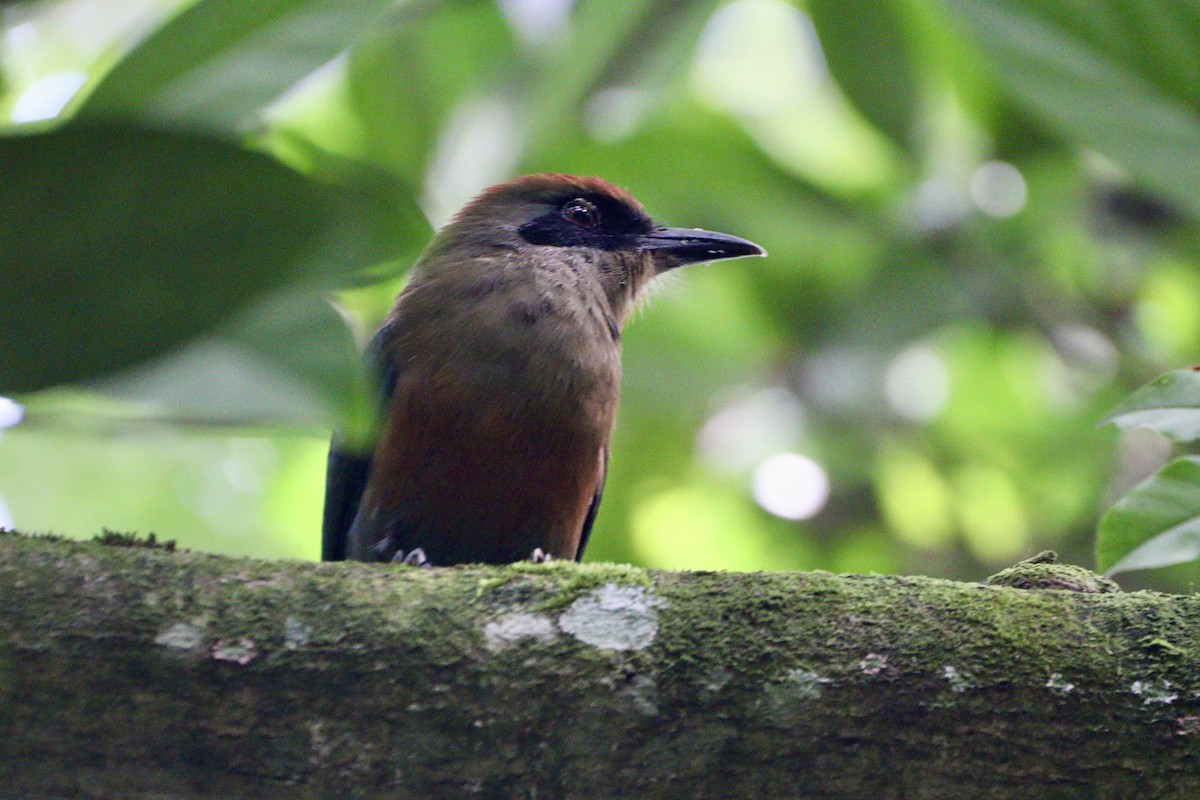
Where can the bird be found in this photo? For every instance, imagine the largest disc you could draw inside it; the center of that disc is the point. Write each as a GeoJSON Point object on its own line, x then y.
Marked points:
{"type": "Point", "coordinates": [499, 369]}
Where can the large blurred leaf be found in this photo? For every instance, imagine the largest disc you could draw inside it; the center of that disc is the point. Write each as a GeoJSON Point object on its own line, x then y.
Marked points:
{"type": "Point", "coordinates": [866, 51]}
{"type": "Point", "coordinates": [1155, 525]}
{"type": "Point", "coordinates": [219, 60]}
{"type": "Point", "coordinates": [119, 244]}
{"type": "Point", "coordinates": [1079, 68]}
{"type": "Point", "coordinates": [1169, 404]}
{"type": "Point", "coordinates": [286, 362]}
{"type": "Point", "coordinates": [379, 228]}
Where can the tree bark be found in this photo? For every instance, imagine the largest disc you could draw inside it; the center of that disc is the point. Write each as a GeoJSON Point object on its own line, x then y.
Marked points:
{"type": "Point", "coordinates": [137, 673]}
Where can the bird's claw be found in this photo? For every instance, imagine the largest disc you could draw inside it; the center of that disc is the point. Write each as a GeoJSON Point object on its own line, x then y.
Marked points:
{"type": "Point", "coordinates": [414, 558]}
{"type": "Point", "coordinates": [540, 556]}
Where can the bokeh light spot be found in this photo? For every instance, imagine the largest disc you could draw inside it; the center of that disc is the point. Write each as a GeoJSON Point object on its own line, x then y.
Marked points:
{"type": "Point", "coordinates": [791, 486]}
{"type": "Point", "coordinates": [917, 383]}
{"type": "Point", "coordinates": [998, 189]}
{"type": "Point", "coordinates": [938, 205]}
{"type": "Point", "coordinates": [11, 412]}
{"type": "Point", "coordinates": [744, 432]}
{"type": "Point", "coordinates": [537, 21]}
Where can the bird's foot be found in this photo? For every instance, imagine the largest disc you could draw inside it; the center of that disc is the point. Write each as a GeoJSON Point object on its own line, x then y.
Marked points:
{"type": "Point", "coordinates": [413, 558]}
{"type": "Point", "coordinates": [540, 556]}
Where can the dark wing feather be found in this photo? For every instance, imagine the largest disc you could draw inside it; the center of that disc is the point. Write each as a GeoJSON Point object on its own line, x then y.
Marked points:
{"type": "Point", "coordinates": [347, 471]}
{"type": "Point", "coordinates": [590, 519]}
{"type": "Point", "coordinates": [345, 478]}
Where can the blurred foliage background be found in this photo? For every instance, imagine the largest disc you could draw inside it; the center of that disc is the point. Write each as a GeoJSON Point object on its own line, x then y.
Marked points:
{"type": "Point", "coordinates": [981, 218]}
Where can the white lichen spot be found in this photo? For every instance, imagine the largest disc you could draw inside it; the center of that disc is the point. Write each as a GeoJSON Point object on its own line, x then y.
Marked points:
{"type": "Point", "coordinates": [319, 743]}
{"type": "Point", "coordinates": [786, 700]}
{"type": "Point", "coordinates": [959, 683]}
{"type": "Point", "coordinates": [806, 683]}
{"type": "Point", "coordinates": [643, 693]}
{"type": "Point", "coordinates": [509, 629]}
{"type": "Point", "coordinates": [715, 680]}
{"type": "Point", "coordinates": [1059, 685]}
{"type": "Point", "coordinates": [295, 633]}
{"type": "Point", "coordinates": [241, 651]}
{"type": "Point", "coordinates": [613, 618]}
{"type": "Point", "coordinates": [181, 636]}
{"type": "Point", "coordinates": [1187, 725]}
{"type": "Point", "coordinates": [1154, 692]}
{"type": "Point", "coordinates": [873, 663]}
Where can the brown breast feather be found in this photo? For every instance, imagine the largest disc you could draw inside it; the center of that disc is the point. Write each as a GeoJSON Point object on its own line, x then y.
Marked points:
{"type": "Point", "coordinates": [468, 481]}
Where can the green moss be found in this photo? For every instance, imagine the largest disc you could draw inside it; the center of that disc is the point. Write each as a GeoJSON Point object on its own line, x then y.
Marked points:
{"type": "Point", "coordinates": [825, 623]}
{"type": "Point", "coordinates": [1043, 572]}
{"type": "Point", "coordinates": [48, 537]}
{"type": "Point", "coordinates": [6, 672]}
{"type": "Point", "coordinates": [119, 539]}
{"type": "Point", "coordinates": [570, 579]}
{"type": "Point", "coordinates": [1159, 645]}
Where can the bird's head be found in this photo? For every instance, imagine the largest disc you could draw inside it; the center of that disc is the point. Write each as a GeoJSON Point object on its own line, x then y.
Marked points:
{"type": "Point", "coordinates": [586, 223]}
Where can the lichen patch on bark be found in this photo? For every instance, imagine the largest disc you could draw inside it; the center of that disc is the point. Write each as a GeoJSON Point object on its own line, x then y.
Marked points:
{"type": "Point", "coordinates": [187, 636]}
{"type": "Point", "coordinates": [613, 617]}
{"type": "Point", "coordinates": [503, 632]}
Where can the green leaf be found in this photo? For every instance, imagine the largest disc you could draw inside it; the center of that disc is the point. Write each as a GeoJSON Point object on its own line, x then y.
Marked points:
{"type": "Point", "coordinates": [298, 334]}
{"type": "Point", "coordinates": [1155, 525]}
{"type": "Point", "coordinates": [218, 61]}
{"type": "Point", "coordinates": [119, 244]}
{"type": "Point", "coordinates": [286, 362]}
{"type": "Point", "coordinates": [1076, 67]}
{"type": "Point", "coordinates": [1170, 405]}
{"type": "Point", "coordinates": [867, 54]}
{"type": "Point", "coordinates": [378, 230]}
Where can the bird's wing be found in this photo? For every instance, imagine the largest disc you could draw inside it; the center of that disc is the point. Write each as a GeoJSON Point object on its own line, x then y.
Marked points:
{"type": "Point", "coordinates": [348, 470]}
{"type": "Point", "coordinates": [590, 519]}
{"type": "Point", "coordinates": [345, 478]}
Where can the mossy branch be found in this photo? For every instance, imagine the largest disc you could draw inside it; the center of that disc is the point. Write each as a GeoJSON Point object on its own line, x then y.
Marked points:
{"type": "Point", "coordinates": [136, 673]}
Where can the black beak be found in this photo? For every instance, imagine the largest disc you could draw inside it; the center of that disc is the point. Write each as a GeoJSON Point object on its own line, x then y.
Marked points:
{"type": "Point", "coordinates": [676, 247]}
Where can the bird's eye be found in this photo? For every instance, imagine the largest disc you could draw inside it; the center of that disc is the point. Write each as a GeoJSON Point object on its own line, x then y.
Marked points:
{"type": "Point", "coordinates": [582, 213]}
